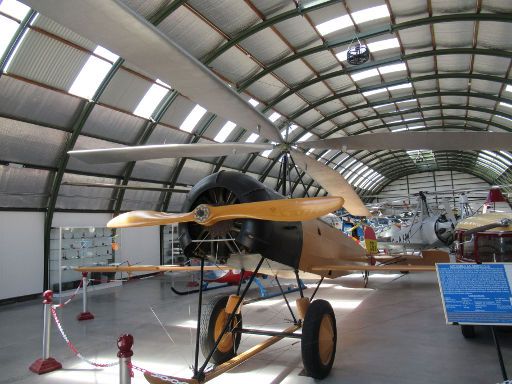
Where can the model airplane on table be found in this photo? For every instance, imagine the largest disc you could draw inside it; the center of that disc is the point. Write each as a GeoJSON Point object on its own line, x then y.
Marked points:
{"type": "Point", "coordinates": [259, 230]}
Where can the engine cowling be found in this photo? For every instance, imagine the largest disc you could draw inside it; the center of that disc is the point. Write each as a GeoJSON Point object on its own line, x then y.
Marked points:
{"type": "Point", "coordinates": [277, 241]}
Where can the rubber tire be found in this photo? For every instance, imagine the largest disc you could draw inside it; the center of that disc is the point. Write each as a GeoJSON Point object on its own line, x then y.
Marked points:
{"type": "Point", "coordinates": [209, 314]}
{"type": "Point", "coordinates": [311, 358]}
{"type": "Point", "coordinates": [468, 331]}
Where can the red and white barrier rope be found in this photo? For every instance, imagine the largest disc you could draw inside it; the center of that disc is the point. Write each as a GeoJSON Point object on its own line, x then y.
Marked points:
{"type": "Point", "coordinates": [72, 296]}
{"type": "Point", "coordinates": [73, 348]}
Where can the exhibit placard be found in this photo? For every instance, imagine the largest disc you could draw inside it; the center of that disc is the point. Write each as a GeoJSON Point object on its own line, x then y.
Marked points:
{"type": "Point", "coordinates": [476, 293]}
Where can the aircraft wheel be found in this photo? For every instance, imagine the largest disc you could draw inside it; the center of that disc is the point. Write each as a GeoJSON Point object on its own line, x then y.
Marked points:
{"type": "Point", "coordinates": [468, 331]}
{"type": "Point", "coordinates": [213, 320]}
{"type": "Point", "coordinates": [319, 339]}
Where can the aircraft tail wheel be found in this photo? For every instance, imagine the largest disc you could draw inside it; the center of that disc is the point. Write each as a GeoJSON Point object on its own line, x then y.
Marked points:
{"type": "Point", "coordinates": [213, 320]}
{"type": "Point", "coordinates": [468, 331]}
{"type": "Point", "coordinates": [319, 339]}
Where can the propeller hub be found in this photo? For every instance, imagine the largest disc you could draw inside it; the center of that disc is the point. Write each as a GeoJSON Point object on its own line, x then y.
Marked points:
{"type": "Point", "coordinates": [201, 213]}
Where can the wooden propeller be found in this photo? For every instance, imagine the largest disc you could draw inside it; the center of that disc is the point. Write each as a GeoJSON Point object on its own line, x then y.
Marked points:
{"type": "Point", "coordinates": [275, 210]}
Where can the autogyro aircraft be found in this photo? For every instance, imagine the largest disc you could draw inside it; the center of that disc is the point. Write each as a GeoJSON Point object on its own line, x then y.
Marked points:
{"type": "Point", "coordinates": [266, 232]}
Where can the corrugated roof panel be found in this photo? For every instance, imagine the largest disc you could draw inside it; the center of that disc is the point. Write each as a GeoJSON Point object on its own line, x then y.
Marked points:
{"type": "Point", "coordinates": [79, 197]}
{"type": "Point", "coordinates": [178, 112]}
{"type": "Point", "coordinates": [29, 143]}
{"type": "Point", "coordinates": [453, 63]}
{"type": "Point", "coordinates": [308, 118]}
{"type": "Point", "coordinates": [140, 199]}
{"type": "Point", "coordinates": [298, 32]}
{"type": "Point", "coordinates": [51, 26]}
{"type": "Point", "coordinates": [315, 92]}
{"type": "Point", "coordinates": [455, 34]}
{"type": "Point", "coordinates": [452, 6]}
{"type": "Point", "coordinates": [146, 8]}
{"type": "Point", "coordinates": [484, 103]}
{"type": "Point", "coordinates": [483, 86]}
{"type": "Point", "coordinates": [165, 135]}
{"type": "Point", "coordinates": [422, 66]}
{"type": "Point", "coordinates": [23, 187]}
{"type": "Point", "coordinates": [331, 107]}
{"type": "Point", "coordinates": [47, 61]}
{"type": "Point", "coordinates": [234, 65]}
{"type": "Point", "coordinates": [113, 125]}
{"type": "Point", "coordinates": [231, 17]}
{"type": "Point", "coordinates": [269, 8]}
{"type": "Point", "coordinates": [416, 38]}
{"type": "Point", "coordinates": [266, 88]}
{"type": "Point", "coordinates": [235, 161]}
{"type": "Point", "coordinates": [454, 84]}
{"type": "Point", "coordinates": [183, 27]}
{"type": "Point", "coordinates": [259, 164]}
{"type": "Point", "coordinates": [29, 101]}
{"type": "Point", "coordinates": [324, 62]}
{"type": "Point", "coordinates": [125, 91]}
{"type": "Point", "coordinates": [294, 72]}
{"type": "Point", "coordinates": [491, 65]}
{"type": "Point", "coordinates": [497, 5]}
{"type": "Point", "coordinates": [265, 46]}
{"type": "Point", "coordinates": [176, 202]}
{"type": "Point", "coordinates": [193, 171]}
{"type": "Point", "coordinates": [494, 35]}
{"type": "Point", "coordinates": [406, 8]}
{"type": "Point", "coordinates": [290, 105]}
{"type": "Point", "coordinates": [84, 142]}
{"type": "Point", "coordinates": [158, 170]}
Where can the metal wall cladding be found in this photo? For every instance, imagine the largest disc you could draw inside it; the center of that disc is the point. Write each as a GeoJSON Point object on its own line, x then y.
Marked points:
{"type": "Point", "coordinates": [56, 29]}
{"type": "Point", "coordinates": [28, 143]}
{"type": "Point", "coordinates": [30, 102]}
{"type": "Point", "coordinates": [146, 8]}
{"type": "Point", "coordinates": [84, 142]}
{"type": "Point", "coordinates": [113, 125]}
{"type": "Point", "coordinates": [47, 61]}
{"type": "Point", "coordinates": [125, 90]}
{"type": "Point", "coordinates": [231, 17]}
{"type": "Point", "coordinates": [184, 28]}
{"type": "Point", "coordinates": [23, 187]}
{"type": "Point", "coordinates": [87, 198]}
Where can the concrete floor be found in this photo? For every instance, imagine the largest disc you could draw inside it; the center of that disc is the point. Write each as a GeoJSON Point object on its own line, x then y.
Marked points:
{"type": "Point", "coordinates": [394, 331]}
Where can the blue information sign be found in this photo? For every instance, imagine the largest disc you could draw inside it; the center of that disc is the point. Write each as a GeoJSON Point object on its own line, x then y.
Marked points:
{"type": "Point", "coordinates": [476, 293]}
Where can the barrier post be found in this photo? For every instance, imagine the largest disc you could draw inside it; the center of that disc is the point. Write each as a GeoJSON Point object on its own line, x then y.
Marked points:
{"type": "Point", "coordinates": [85, 315]}
{"type": "Point", "coordinates": [46, 363]}
{"type": "Point", "coordinates": [125, 343]}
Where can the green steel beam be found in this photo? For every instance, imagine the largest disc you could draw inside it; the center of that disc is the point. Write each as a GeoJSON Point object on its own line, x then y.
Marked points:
{"type": "Point", "coordinates": [377, 32]}
{"type": "Point", "coordinates": [298, 11]}
{"type": "Point", "coordinates": [339, 95]}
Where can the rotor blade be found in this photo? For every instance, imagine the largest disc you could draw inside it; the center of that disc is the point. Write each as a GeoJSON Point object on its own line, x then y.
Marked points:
{"type": "Point", "coordinates": [153, 268]}
{"type": "Point", "coordinates": [397, 267]}
{"type": "Point", "coordinates": [435, 141]}
{"type": "Point", "coordinates": [148, 152]}
{"type": "Point", "coordinates": [278, 210]}
{"type": "Point", "coordinates": [274, 210]}
{"type": "Point", "coordinates": [148, 219]}
{"type": "Point", "coordinates": [114, 26]}
{"type": "Point", "coordinates": [332, 181]}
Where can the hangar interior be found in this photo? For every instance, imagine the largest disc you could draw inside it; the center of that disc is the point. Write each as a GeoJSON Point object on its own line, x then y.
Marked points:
{"type": "Point", "coordinates": [434, 66]}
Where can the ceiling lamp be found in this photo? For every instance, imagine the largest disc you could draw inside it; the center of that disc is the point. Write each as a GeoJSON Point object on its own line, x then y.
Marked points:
{"type": "Point", "coordinates": [357, 54]}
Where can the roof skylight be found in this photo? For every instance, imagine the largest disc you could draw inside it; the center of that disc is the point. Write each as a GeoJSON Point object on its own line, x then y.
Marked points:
{"type": "Point", "coordinates": [9, 28]}
{"type": "Point", "coordinates": [306, 136]}
{"type": "Point", "coordinates": [377, 46]}
{"type": "Point", "coordinates": [310, 151]}
{"type": "Point", "coordinates": [369, 14]}
{"type": "Point", "coordinates": [508, 88]}
{"type": "Point", "coordinates": [193, 118]}
{"type": "Point", "coordinates": [374, 91]}
{"type": "Point", "coordinates": [14, 8]}
{"type": "Point", "coordinates": [252, 138]}
{"type": "Point", "coordinates": [506, 104]}
{"type": "Point", "coordinates": [400, 86]}
{"type": "Point", "coordinates": [334, 25]}
{"type": "Point", "coordinates": [224, 132]}
{"type": "Point", "coordinates": [92, 74]}
{"type": "Point", "coordinates": [150, 101]}
{"type": "Point", "coordinates": [274, 116]}
{"type": "Point", "coordinates": [253, 102]}
{"type": "Point", "coordinates": [392, 68]}
{"type": "Point", "coordinates": [365, 74]}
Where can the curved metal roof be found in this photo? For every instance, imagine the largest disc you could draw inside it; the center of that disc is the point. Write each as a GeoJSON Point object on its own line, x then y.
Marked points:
{"type": "Point", "coordinates": [445, 66]}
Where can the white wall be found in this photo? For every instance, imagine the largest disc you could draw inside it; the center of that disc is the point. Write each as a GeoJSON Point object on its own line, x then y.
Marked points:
{"type": "Point", "coordinates": [66, 219]}
{"type": "Point", "coordinates": [21, 253]}
{"type": "Point", "coordinates": [139, 245]}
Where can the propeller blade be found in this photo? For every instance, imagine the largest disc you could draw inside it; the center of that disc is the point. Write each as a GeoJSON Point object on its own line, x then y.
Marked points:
{"type": "Point", "coordinates": [148, 218]}
{"type": "Point", "coordinates": [275, 210]}
{"type": "Point", "coordinates": [435, 141]}
{"type": "Point", "coordinates": [116, 27]}
{"type": "Point", "coordinates": [332, 181]}
{"type": "Point", "coordinates": [148, 152]}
